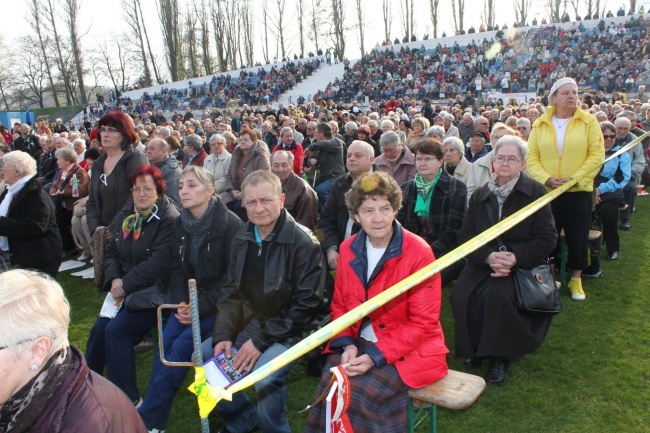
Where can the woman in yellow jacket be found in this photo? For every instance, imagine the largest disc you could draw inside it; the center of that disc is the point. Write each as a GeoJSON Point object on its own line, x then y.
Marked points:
{"type": "Point", "coordinates": [565, 143]}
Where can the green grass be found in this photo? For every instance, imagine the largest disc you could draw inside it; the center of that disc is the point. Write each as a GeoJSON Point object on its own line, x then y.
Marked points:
{"type": "Point", "coordinates": [592, 374]}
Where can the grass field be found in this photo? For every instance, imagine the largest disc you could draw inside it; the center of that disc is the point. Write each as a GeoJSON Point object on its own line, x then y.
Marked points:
{"type": "Point", "coordinates": [592, 374]}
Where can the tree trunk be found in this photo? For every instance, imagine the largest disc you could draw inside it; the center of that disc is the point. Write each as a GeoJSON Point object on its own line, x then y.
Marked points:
{"type": "Point", "coordinates": [433, 8]}
{"type": "Point", "coordinates": [130, 9]}
{"type": "Point", "coordinates": [338, 36]}
{"type": "Point", "coordinates": [71, 8]}
{"type": "Point", "coordinates": [361, 24]}
{"type": "Point", "coordinates": [49, 7]}
{"type": "Point", "coordinates": [35, 22]}
{"type": "Point", "coordinates": [388, 19]}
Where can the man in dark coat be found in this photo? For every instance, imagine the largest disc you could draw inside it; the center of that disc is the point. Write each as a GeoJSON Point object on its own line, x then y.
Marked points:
{"type": "Point", "coordinates": [28, 142]}
{"type": "Point", "coordinates": [326, 158]}
{"type": "Point", "coordinates": [300, 200]}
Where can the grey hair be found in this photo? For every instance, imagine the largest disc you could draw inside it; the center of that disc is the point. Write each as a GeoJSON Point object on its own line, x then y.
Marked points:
{"type": "Point", "coordinates": [423, 121]}
{"type": "Point", "coordinates": [367, 146]}
{"type": "Point", "coordinates": [164, 131]}
{"type": "Point", "coordinates": [524, 120]}
{"type": "Point", "coordinates": [22, 162]}
{"type": "Point", "coordinates": [388, 122]}
{"type": "Point", "coordinates": [163, 143]}
{"type": "Point", "coordinates": [448, 117]}
{"type": "Point", "coordinates": [512, 139]}
{"type": "Point", "coordinates": [373, 123]}
{"type": "Point", "coordinates": [478, 119]}
{"type": "Point", "coordinates": [219, 137]}
{"type": "Point", "coordinates": [436, 129]}
{"type": "Point", "coordinates": [456, 143]}
{"type": "Point", "coordinates": [66, 154]}
{"type": "Point", "coordinates": [351, 126]}
{"type": "Point", "coordinates": [259, 176]}
{"type": "Point", "coordinates": [286, 129]}
{"type": "Point", "coordinates": [194, 141]}
{"type": "Point", "coordinates": [284, 152]}
{"type": "Point", "coordinates": [389, 137]}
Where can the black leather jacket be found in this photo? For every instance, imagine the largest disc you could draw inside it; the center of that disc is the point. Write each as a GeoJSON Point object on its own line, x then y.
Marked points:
{"type": "Point", "coordinates": [293, 292]}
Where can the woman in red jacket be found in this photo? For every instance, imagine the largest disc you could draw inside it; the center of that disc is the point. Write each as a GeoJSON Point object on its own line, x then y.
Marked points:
{"type": "Point", "coordinates": [399, 345]}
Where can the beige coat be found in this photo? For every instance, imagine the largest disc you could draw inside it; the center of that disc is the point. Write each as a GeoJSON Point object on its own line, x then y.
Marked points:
{"type": "Point", "coordinates": [218, 166]}
{"type": "Point", "coordinates": [479, 174]}
{"type": "Point", "coordinates": [462, 170]}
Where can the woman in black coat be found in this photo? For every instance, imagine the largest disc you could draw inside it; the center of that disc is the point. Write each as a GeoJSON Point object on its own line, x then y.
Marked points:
{"type": "Point", "coordinates": [138, 257]}
{"type": "Point", "coordinates": [201, 250]}
{"type": "Point", "coordinates": [488, 323]}
{"type": "Point", "coordinates": [29, 235]}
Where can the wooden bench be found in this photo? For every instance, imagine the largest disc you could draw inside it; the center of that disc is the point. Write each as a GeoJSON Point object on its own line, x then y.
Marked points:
{"type": "Point", "coordinates": [455, 391]}
{"type": "Point", "coordinates": [593, 235]}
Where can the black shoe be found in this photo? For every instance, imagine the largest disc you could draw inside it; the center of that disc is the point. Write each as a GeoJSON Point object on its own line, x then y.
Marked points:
{"type": "Point", "coordinates": [613, 255]}
{"type": "Point", "coordinates": [65, 255]}
{"type": "Point", "coordinates": [497, 370]}
{"type": "Point", "coordinates": [473, 362]}
{"type": "Point", "coordinates": [625, 225]}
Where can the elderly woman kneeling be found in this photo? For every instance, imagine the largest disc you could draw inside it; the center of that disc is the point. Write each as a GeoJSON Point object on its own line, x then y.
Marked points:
{"type": "Point", "coordinates": [45, 384]}
{"type": "Point", "coordinates": [400, 344]}
{"type": "Point", "coordinates": [488, 323]}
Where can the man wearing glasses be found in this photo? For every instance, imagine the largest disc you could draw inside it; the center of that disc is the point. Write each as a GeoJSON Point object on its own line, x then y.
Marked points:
{"type": "Point", "coordinates": [523, 126]}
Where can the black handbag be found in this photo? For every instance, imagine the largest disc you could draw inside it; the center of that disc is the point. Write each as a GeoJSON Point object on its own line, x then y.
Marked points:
{"type": "Point", "coordinates": [148, 297]}
{"type": "Point", "coordinates": [536, 291]}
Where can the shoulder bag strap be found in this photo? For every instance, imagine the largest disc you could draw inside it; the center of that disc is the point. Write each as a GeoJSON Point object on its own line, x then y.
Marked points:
{"type": "Point", "coordinates": [490, 216]}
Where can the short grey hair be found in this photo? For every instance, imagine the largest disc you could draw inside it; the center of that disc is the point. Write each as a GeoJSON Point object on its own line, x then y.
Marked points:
{"type": "Point", "coordinates": [423, 121]}
{"type": "Point", "coordinates": [448, 116]}
{"type": "Point", "coordinates": [373, 123]}
{"type": "Point", "coordinates": [523, 121]}
{"type": "Point", "coordinates": [66, 154]}
{"type": "Point", "coordinates": [283, 152]}
{"type": "Point", "coordinates": [388, 122]}
{"type": "Point", "coordinates": [217, 137]}
{"type": "Point", "coordinates": [161, 142]}
{"type": "Point", "coordinates": [456, 143]}
{"type": "Point", "coordinates": [194, 141]}
{"type": "Point", "coordinates": [367, 146]}
{"type": "Point", "coordinates": [352, 126]}
{"type": "Point", "coordinates": [389, 137]}
{"type": "Point", "coordinates": [436, 129]}
{"type": "Point", "coordinates": [164, 131]}
{"type": "Point", "coordinates": [22, 162]}
{"type": "Point", "coordinates": [259, 176]}
{"type": "Point", "coordinates": [512, 139]}
{"type": "Point", "coordinates": [286, 129]}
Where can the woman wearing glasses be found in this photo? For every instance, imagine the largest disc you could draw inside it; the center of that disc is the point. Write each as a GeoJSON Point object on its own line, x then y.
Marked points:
{"type": "Point", "coordinates": [139, 256]}
{"type": "Point", "coordinates": [488, 323]}
{"type": "Point", "coordinates": [109, 182]}
{"type": "Point", "coordinates": [45, 384]}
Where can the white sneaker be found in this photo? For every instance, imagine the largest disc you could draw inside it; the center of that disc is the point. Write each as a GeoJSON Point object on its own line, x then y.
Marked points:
{"type": "Point", "coordinates": [85, 256]}
{"type": "Point", "coordinates": [138, 403]}
{"type": "Point", "coordinates": [155, 430]}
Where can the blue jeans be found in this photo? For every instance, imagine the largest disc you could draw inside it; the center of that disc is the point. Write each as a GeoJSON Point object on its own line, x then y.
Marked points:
{"type": "Point", "coordinates": [111, 344]}
{"type": "Point", "coordinates": [323, 191]}
{"type": "Point", "coordinates": [270, 414]}
{"type": "Point", "coordinates": [165, 381]}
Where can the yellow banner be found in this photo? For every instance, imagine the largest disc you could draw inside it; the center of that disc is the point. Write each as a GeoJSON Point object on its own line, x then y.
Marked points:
{"type": "Point", "coordinates": [355, 315]}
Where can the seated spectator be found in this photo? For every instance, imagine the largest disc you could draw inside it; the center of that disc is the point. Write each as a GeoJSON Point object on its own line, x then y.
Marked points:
{"type": "Point", "coordinates": [523, 126]}
{"type": "Point", "coordinates": [170, 167]}
{"type": "Point", "coordinates": [396, 160]}
{"type": "Point", "coordinates": [466, 127]}
{"type": "Point", "coordinates": [300, 200]}
{"type": "Point", "coordinates": [138, 257]}
{"type": "Point", "coordinates": [27, 219]}
{"type": "Point", "coordinates": [397, 347]}
{"type": "Point", "coordinates": [231, 141]}
{"type": "Point", "coordinates": [63, 198]}
{"type": "Point", "coordinates": [450, 129]}
{"type": "Point", "coordinates": [276, 272]}
{"type": "Point", "coordinates": [488, 322]}
{"type": "Point", "coordinates": [363, 134]}
{"type": "Point", "coordinates": [55, 390]}
{"type": "Point", "coordinates": [420, 126]}
{"type": "Point", "coordinates": [204, 221]}
{"type": "Point", "coordinates": [456, 165]}
{"type": "Point", "coordinates": [481, 170]}
{"type": "Point", "coordinates": [268, 135]}
{"type": "Point", "coordinates": [218, 162]}
{"type": "Point", "coordinates": [249, 156]}
{"type": "Point", "coordinates": [477, 148]}
{"type": "Point", "coordinates": [288, 143]}
{"type": "Point", "coordinates": [609, 184]}
{"type": "Point", "coordinates": [194, 153]}
{"type": "Point", "coordinates": [79, 223]}
{"type": "Point", "coordinates": [433, 204]}
{"type": "Point", "coordinates": [437, 133]}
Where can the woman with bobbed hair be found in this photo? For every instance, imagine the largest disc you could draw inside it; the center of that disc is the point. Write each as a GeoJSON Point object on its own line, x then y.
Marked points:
{"type": "Point", "coordinates": [138, 257]}
{"type": "Point", "coordinates": [61, 192]}
{"type": "Point", "coordinates": [399, 345]}
{"type": "Point", "coordinates": [29, 235]}
{"type": "Point", "coordinates": [456, 165]}
{"type": "Point", "coordinates": [45, 384]}
{"type": "Point", "coordinates": [433, 205]}
{"type": "Point", "coordinates": [404, 125]}
{"type": "Point", "coordinates": [481, 170]}
{"type": "Point", "coordinates": [364, 134]}
{"type": "Point", "coordinates": [419, 132]}
{"type": "Point", "coordinates": [200, 250]}
{"type": "Point", "coordinates": [436, 132]}
{"type": "Point", "coordinates": [109, 182]}
{"type": "Point", "coordinates": [175, 149]}
{"type": "Point", "coordinates": [231, 141]}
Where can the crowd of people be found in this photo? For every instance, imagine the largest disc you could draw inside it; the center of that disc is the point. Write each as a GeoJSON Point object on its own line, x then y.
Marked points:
{"type": "Point", "coordinates": [260, 205]}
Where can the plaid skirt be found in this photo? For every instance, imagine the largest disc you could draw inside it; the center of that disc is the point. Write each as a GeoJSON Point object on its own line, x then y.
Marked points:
{"type": "Point", "coordinates": [379, 401]}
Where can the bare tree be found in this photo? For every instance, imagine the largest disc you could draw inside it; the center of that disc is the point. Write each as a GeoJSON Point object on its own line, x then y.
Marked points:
{"type": "Point", "coordinates": [71, 10]}
{"type": "Point", "coordinates": [301, 26]}
{"type": "Point", "coordinates": [433, 8]}
{"type": "Point", "coordinates": [35, 10]}
{"type": "Point", "coordinates": [338, 31]}
{"type": "Point", "coordinates": [132, 18]}
{"type": "Point", "coordinates": [388, 19]}
{"type": "Point", "coordinates": [633, 6]}
{"type": "Point", "coordinates": [593, 8]}
{"type": "Point", "coordinates": [188, 44]}
{"type": "Point", "coordinates": [553, 8]}
{"type": "Point", "coordinates": [316, 22]}
{"type": "Point", "coordinates": [146, 38]}
{"type": "Point", "coordinates": [522, 10]}
{"type": "Point", "coordinates": [407, 18]}
{"type": "Point", "coordinates": [458, 12]}
{"type": "Point", "coordinates": [7, 78]}
{"type": "Point", "coordinates": [361, 25]}
{"type": "Point", "coordinates": [247, 28]}
{"type": "Point", "coordinates": [204, 39]}
{"type": "Point", "coordinates": [489, 13]}
{"type": "Point", "coordinates": [53, 29]}
{"type": "Point", "coordinates": [278, 26]}
{"type": "Point", "coordinates": [169, 13]}
{"type": "Point", "coordinates": [265, 36]}
{"type": "Point", "coordinates": [219, 28]}
{"type": "Point", "coordinates": [31, 75]}
{"type": "Point", "coordinates": [112, 60]}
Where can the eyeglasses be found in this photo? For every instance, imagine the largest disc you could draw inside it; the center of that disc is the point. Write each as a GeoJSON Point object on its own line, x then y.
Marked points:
{"type": "Point", "coordinates": [147, 189]}
{"type": "Point", "coordinates": [108, 129]}
{"type": "Point", "coordinates": [510, 159]}
{"type": "Point", "coordinates": [426, 159]}
{"type": "Point", "coordinates": [522, 128]}
{"type": "Point", "coordinates": [609, 136]}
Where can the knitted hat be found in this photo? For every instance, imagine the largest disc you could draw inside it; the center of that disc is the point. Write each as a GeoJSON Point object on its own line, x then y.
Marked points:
{"type": "Point", "coordinates": [561, 82]}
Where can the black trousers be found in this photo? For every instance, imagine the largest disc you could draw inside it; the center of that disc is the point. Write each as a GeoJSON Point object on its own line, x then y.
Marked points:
{"type": "Point", "coordinates": [608, 213]}
{"type": "Point", "coordinates": [64, 221]}
{"type": "Point", "coordinates": [629, 191]}
{"type": "Point", "coordinates": [572, 212]}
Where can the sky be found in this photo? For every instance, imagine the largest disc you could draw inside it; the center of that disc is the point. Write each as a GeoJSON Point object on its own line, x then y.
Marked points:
{"type": "Point", "coordinates": [102, 19]}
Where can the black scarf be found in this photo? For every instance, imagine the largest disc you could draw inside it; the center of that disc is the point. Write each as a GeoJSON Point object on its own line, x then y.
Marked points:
{"type": "Point", "coordinates": [198, 229]}
{"type": "Point", "coordinates": [24, 407]}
